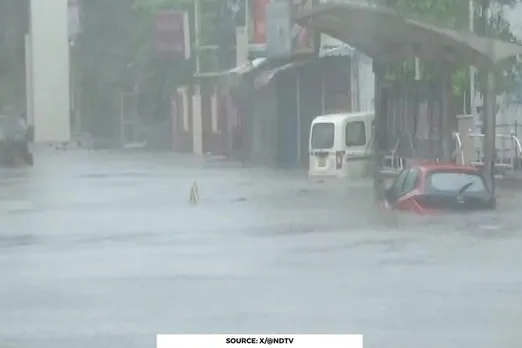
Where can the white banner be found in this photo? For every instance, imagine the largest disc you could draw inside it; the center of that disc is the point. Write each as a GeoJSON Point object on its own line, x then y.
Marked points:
{"type": "Point", "coordinates": [296, 341]}
{"type": "Point", "coordinates": [328, 42]}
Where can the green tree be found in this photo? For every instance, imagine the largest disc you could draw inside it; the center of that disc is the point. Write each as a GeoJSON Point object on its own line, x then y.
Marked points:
{"type": "Point", "coordinates": [157, 77]}
{"type": "Point", "coordinates": [209, 23]}
{"type": "Point", "coordinates": [489, 21]}
{"type": "Point", "coordinates": [105, 60]}
{"type": "Point", "coordinates": [13, 26]}
{"type": "Point", "coordinates": [117, 55]}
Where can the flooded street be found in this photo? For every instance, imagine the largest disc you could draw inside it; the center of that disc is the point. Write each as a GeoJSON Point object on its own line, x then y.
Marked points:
{"type": "Point", "coordinates": [104, 249]}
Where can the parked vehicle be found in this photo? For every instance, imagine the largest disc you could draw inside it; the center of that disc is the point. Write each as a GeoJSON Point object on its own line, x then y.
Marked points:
{"type": "Point", "coordinates": [341, 145]}
{"type": "Point", "coordinates": [428, 188]}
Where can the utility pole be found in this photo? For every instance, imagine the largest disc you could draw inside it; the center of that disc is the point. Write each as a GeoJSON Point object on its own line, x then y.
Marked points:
{"type": "Point", "coordinates": [473, 108]}
{"type": "Point", "coordinates": [197, 34]}
{"type": "Point", "coordinates": [417, 69]}
{"type": "Point", "coordinates": [197, 131]}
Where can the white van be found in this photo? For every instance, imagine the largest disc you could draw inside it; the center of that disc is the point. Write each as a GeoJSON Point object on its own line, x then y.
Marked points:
{"type": "Point", "coordinates": [341, 145]}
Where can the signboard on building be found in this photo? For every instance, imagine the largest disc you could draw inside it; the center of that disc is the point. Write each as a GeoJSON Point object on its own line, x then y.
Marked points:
{"type": "Point", "coordinates": [304, 40]}
{"type": "Point", "coordinates": [257, 17]}
{"type": "Point", "coordinates": [278, 30]}
{"type": "Point", "coordinates": [284, 37]}
{"type": "Point", "coordinates": [172, 34]}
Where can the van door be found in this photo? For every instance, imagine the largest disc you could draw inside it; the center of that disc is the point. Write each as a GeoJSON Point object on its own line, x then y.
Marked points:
{"type": "Point", "coordinates": [322, 142]}
{"type": "Point", "coordinates": [356, 139]}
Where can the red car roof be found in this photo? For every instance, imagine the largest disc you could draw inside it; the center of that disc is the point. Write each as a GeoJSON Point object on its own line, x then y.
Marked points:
{"type": "Point", "coordinates": [430, 167]}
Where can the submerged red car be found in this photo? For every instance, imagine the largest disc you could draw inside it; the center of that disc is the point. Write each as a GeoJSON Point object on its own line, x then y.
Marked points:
{"type": "Point", "coordinates": [428, 188]}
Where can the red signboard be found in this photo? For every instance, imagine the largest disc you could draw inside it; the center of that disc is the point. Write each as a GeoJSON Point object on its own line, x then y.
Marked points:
{"type": "Point", "coordinates": [172, 34]}
{"type": "Point", "coordinates": [258, 16]}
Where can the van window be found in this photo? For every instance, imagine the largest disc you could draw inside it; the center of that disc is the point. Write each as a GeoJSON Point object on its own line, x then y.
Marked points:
{"type": "Point", "coordinates": [323, 135]}
{"type": "Point", "coordinates": [355, 134]}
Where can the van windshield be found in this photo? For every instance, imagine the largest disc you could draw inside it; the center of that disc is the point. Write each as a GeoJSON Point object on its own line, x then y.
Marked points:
{"type": "Point", "coordinates": [355, 134]}
{"type": "Point", "coordinates": [323, 135]}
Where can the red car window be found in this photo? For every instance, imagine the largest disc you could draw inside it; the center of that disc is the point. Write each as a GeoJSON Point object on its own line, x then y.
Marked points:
{"type": "Point", "coordinates": [449, 181]}
{"type": "Point", "coordinates": [411, 182]}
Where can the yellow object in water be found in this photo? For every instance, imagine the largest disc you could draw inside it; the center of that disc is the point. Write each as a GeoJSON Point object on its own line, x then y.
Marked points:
{"type": "Point", "coordinates": [194, 193]}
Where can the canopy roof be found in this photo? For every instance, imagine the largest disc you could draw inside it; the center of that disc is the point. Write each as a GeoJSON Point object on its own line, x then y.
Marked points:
{"type": "Point", "coordinates": [386, 35]}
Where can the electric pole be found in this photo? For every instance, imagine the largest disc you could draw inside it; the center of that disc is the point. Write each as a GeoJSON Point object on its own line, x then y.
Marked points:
{"type": "Point", "coordinates": [473, 108]}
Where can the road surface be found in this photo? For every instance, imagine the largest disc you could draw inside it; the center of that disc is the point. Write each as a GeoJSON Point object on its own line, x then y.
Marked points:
{"type": "Point", "coordinates": [104, 250]}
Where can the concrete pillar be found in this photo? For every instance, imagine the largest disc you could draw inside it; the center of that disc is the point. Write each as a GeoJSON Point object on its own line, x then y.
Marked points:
{"type": "Point", "coordinates": [490, 128]}
{"type": "Point", "coordinates": [379, 146]}
{"type": "Point", "coordinates": [29, 80]}
{"type": "Point", "coordinates": [49, 40]}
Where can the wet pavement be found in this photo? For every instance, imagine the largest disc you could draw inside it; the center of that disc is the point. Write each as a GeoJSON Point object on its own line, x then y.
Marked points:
{"type": "Point", "coordinates": [103, 249]}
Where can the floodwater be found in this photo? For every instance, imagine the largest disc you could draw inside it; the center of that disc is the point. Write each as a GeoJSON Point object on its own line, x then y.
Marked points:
{"type": "Point", "coordinates": [104, 249]}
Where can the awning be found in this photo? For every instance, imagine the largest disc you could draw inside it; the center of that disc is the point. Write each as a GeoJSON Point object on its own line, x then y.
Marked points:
{"type": "Point", "coordinates": [339, 51]}
{"type": "Point", "coordinates": [385, 34]}
{"type": "Point", "coordinates": [230, 78]}
{"type": "Point", "coordinates": [250, 66]}
{"type": "Point", "coordinates": [267, 76]}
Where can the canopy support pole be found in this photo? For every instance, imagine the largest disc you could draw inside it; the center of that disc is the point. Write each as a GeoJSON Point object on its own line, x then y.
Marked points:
{"type": "Point", "coordinates": [379, 131]}
{"type": "Point", "coordinates": [489, 124]}
{"type": "Point", "coordinates": [448, 116]}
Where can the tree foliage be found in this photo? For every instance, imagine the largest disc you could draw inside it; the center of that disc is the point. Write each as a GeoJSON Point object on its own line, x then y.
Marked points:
{"type": "Point", "coordinates": [118, 56]}
{"type": "Point", "coordinates": [489, 21]}
{"type": "Point", "coordinates": [13, 26]}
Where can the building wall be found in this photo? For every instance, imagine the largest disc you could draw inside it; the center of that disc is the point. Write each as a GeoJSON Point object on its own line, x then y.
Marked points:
{"type": "Point", "coordinates": [242, 96]}
{"type": "Point", "coordinates": [311, 104]}
{"type": "Point", "coordinates": [366, 82]}
{"type": "Point", "coordinates": [337, 79]}
{"type": "Point", "coordinates": [213, 118]}
{"type": "Point", "coordinates": [264, 126]}
{"type": "Point", "coordinates": [276, 119]}
{"type": "Point", "coordinates": [283, 110]}
{"type": "Point", "coordinates": [181, 113]}
{"type": "Point", "coordinates": [287, 118]}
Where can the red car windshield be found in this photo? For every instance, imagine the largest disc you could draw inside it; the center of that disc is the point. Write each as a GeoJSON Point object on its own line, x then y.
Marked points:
{"type": "Point", "coordinates": [453, 181]}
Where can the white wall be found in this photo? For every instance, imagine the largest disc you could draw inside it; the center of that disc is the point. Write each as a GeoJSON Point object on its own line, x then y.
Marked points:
{"type": "Point", "coordinates": [366, 79]}
{"type": "Point", "coordinates": [328, 42]}
{"type": "Point", "coordinates": [50, 59]}
{"type": "Point", "coordinates": [366, 83]}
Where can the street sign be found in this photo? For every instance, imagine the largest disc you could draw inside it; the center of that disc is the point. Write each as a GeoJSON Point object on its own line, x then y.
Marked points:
{"type": "Point", "coordinates": [172, 34]}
